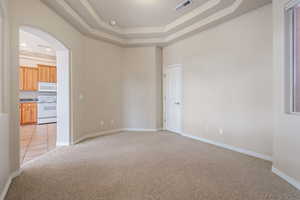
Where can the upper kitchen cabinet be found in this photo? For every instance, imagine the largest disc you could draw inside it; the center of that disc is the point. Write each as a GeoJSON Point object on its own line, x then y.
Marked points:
{"type": "Point", "coordinates": [28, 78]}
{"type": "Point", "coordinates": [53, 76]}
{"type": "Point", "coordinates": [47, 74]}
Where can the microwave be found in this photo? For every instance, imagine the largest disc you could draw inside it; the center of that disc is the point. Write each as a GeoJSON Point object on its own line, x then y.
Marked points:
{"type": "Point", "coordinates": [47, 87]}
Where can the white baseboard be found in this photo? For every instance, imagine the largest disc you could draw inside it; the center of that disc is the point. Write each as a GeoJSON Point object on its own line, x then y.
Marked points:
{"type": "Point", "coordinates": [287, 178]}
{"type": "Point", "coordinates": [62, 144]}
{"type": "Point", "coordinates": [92, 135]}
{"type": "Point", "coordinates": [141, 130]}
{"type": "Point", "coordinates": [232, 148]}
{"type": "Point", "coordinates": [8, 182]}
{"type": "Point", "coordinates": [243, 151]}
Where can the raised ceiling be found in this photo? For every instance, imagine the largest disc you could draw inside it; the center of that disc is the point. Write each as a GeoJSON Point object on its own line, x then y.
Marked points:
{"type": "Point", "coordinates": [144, 22]}
{"type": "Point", "coordinates": [137, 13]}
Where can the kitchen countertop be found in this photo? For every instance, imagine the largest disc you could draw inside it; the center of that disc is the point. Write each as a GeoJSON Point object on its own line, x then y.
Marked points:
{"type": "Point", "coordinates": [29, 100]}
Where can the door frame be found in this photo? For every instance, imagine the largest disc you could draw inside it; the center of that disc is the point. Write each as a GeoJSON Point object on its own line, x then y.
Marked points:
{"type": "Point", "coordinates": [64, 101]}
{"type": "Point", "coordinates": [165, 71]}
{"type": "Point", "coordinates": [65, 135]}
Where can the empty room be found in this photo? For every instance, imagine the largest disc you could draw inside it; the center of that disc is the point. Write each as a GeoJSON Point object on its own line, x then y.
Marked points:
{"type": "Point", "coordinates": [149, 100]}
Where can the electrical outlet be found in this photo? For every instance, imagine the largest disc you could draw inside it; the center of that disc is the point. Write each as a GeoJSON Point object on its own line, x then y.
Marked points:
{"type": "Point", "coordinates": [221, 131]}
{"type": "Point", "coordinates": [112, 123]}
{"type": "Point", "coordinates": [81, 97]}
{"type": "Point", "coordinates": [102, 124]}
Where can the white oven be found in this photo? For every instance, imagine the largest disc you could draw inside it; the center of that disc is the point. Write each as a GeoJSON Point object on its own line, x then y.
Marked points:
{"type": "Point", "coordinates": [47, 87]}
{"type": "Point", "coordinates": [47, 108]}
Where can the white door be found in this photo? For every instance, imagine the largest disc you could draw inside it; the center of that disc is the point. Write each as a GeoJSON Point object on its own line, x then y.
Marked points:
{"type": "Point", "coordinates": [174, 99]}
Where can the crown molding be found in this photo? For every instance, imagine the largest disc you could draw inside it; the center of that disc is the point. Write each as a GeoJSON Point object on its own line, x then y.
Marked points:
{"type": "Point", "coordinates": [86, 4]}
{"type": "Point", "coordinates": [149, 30]}
{"type": "Point", "coordinates": [144, 35]}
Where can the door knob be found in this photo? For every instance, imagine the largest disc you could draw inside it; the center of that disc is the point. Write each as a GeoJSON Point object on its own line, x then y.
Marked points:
{"type": "Point", "coordinates": [177, 103]}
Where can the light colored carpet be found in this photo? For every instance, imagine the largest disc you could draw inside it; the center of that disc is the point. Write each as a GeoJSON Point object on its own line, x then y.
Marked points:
{"type": "Point", "coordinates": [148, 166]}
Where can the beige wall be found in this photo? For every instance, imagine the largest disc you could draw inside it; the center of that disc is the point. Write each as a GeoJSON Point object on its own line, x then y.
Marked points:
{"type": "Point", "coordinates": [287, 127]}
{"type": "Point", "coordinates": [4, 151]}
{"type": "Point", "coordinates": [46, 20]}
{"type": "Point", "coordinates": [95, 75]}
{"type": "Point", "coordinates": [227, 82]}
{"type": "Point", "coordinates": [95, 72]}
{"type": "Point", "coordinates": [101, 87]}
{"type": "Point", "coordinates": [4, 57]}
{"type": "Point", "coordinates": [4, 117]}
{"type": "Point", "coordinates": [141, 88]}
{"type": "Point", "coordinates": [1, 57]}
{"type": "Point", "coordinates": [159, 88]}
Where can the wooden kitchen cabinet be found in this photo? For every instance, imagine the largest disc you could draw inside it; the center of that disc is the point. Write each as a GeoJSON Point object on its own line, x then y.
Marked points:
{"type": "Point", "coordinates": [28, 79]}
{"type": "Point", "coordinates": [52, 75]}
{"type": "Point", "coordinates": [28, 113]}
{"type": "Point", "coordinates": [47, 74]}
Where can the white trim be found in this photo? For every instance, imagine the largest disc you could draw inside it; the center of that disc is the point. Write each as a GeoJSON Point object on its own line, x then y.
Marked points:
{"type": "Point", "coordinates": [62, 144]}
{"type": "Point", "coordinates": [291, 4]}
{"type": "Point", "coordinates": [174, 66]}
{"type": "Point", "coordinates": [232, 148]}
{"type": "Point", "coordinates": [294, 113]}
{"type": "Point", "coordinates": [92, 135]}
{"type": "Point", "coordinates": [8, 182]}
{"type": "Point", "coordinates": [165, 86]}
{"type": "Point", "coordinates": [162, 35]}
{"type": "Point", "coordinates": [136, 30]}
{"type": "Point", "coordinates": [141, 129]}
{"type": "Point", "coordinates": [290, 75]}
{"type": "Point", "coordinates": [287, 178]}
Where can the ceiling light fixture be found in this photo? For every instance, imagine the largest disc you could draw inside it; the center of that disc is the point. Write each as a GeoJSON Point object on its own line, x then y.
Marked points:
{"type": "Point", "coordinates": [23, 45]}
{"type": "Point", "coordinates": [147, 2]}
{"type": "Point", "coordinates": [183, 4]}
{"type": "Point", "coordinates": [113, 22]}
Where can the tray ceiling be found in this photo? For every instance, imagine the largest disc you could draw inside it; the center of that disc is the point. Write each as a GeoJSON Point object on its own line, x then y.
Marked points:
{"type": "Point", "coordinates": [145, 22]}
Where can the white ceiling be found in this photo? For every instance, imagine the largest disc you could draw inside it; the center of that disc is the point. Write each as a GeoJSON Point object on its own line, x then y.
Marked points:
{"type": "Point", "coordinates": [142, 22]}
{"type": "Point", "coordinates": [138, 13]}
{"type": "Point", "coordinates": [31, 43]}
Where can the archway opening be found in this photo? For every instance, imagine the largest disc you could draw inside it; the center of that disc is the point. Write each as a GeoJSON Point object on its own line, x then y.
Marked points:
{"type": "Point", "coordinates": [44, 93]}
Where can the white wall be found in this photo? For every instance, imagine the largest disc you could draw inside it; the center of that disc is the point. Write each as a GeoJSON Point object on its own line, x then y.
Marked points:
{"type": "Point", "coordinates": [228, 82]}
{"type": "Point", "coordinates": [141, 88]}
{"type": "Point", "coordinates": [287, 127]}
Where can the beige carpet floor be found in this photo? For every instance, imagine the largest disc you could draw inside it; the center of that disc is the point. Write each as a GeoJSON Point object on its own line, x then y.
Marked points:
{"type": "Point", "coordinates": [148, 166]}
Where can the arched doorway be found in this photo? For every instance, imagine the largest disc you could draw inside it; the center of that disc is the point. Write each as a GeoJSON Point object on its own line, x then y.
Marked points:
{"type": "Point", "coordinates": [45, 111]}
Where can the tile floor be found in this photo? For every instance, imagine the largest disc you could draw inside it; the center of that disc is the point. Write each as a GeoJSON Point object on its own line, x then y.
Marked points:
{"type": "Point", "coordinates": [36, 140]}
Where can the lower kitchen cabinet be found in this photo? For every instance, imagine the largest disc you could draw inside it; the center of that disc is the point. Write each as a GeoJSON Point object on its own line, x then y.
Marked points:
{"type": "Point", "coordinates": [28, 113]}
